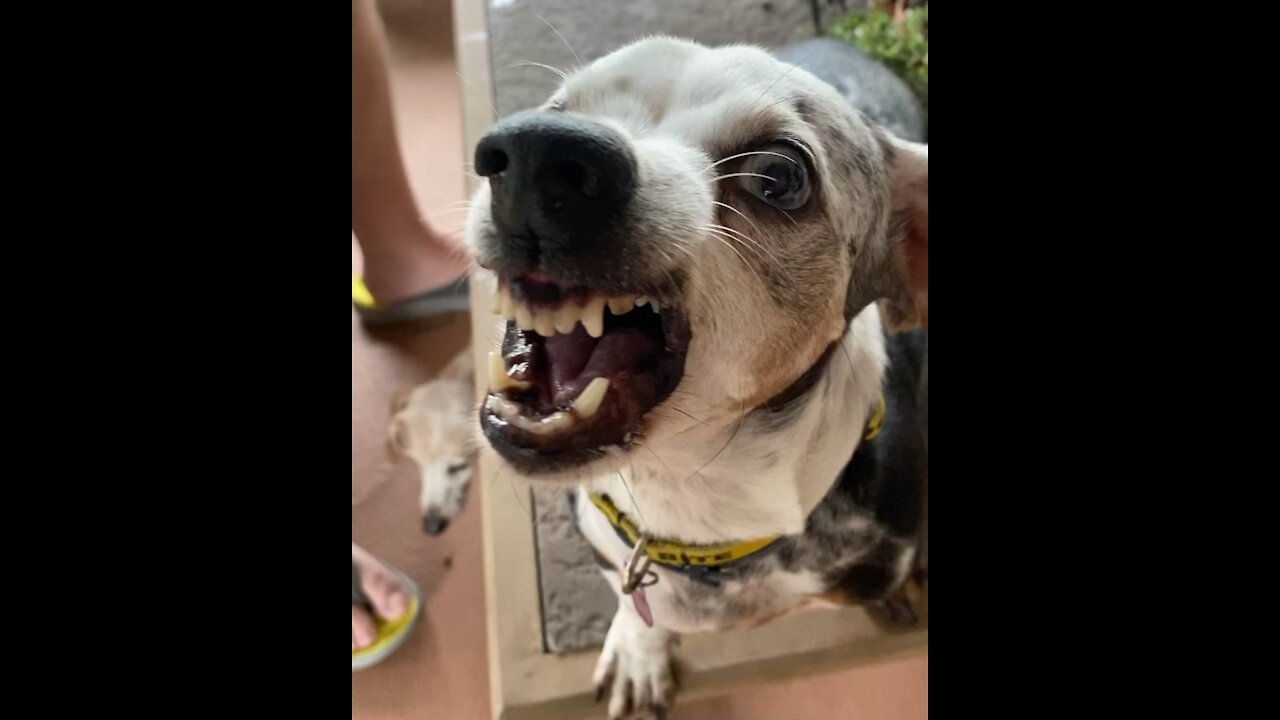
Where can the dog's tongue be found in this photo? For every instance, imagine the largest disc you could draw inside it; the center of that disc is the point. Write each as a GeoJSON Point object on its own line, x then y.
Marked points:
{"type": "Point", "coordinates": [567, 356]}
{"type": "Point", "coordinates": [576, 359]}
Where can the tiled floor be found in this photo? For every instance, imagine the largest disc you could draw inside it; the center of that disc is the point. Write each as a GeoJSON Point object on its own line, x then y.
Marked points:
{"type": "Point", "coordinates": [441, 672]}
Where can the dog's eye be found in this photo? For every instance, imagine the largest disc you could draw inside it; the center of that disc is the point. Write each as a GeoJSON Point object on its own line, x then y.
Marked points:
{"type": "Point", "coordinates": [777, 175]}
{"type": "Point", "coordinates": [455, 468]}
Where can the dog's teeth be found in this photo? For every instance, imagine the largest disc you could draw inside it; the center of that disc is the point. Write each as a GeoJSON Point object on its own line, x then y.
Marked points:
{"type": "Point", "coordinates": [524, 423]}
{"type": "Point", "coordinates": [593, 316]}
{"type": "Point", "coordinates": [654, 304]}
{"type": "Point", "coordinates": [499, 380]}
{"type": "Point", "coordinates": [502, 407]}
{"type": "Point", "coordinates": [498, 377]}
{"type": "Point", "coordinates": [621, 305]}
{"type": "Point", "coordinates": [642, 301]}
{"type": "Point", "coordinates": [555, 422]}
{"type": "Point", "coordinates": [589, 399]}
{"type": "Point", "coordinates": [558, 421]}
{"type": "Point", "coordinates": [566, 318]}
{"type": "Point", "coordinates": [545, 322]}
{"type": "Point", "coordinates": [524, 317]}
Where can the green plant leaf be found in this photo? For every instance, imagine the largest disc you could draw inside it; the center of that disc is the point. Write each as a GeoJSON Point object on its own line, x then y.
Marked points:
{"type": "Point", "coordinates": [904, 50]}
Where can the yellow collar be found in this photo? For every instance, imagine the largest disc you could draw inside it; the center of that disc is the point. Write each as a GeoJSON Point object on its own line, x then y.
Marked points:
{"type": "Point", "coordinates": [681, 555]}
{"type": "Point", "coordinates": [671, 552]}
{"type": "Point", "coordinates": [877, 419]}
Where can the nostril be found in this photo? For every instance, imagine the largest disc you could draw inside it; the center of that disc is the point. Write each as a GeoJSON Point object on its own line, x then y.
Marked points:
{"type": "Point", "coordinates": [491, 161]}
{"type": "Point", "coordinates": [577, 177]}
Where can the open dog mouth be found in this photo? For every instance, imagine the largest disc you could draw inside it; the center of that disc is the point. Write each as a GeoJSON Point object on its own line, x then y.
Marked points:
{"type": "Point", "coordinates": [578, 371]}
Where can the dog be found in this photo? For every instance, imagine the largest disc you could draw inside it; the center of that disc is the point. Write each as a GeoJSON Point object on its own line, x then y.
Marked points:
{"type": "Point", "coordinates": [432, 425]}
{"type": "Point", "coordinates": [693, 250]}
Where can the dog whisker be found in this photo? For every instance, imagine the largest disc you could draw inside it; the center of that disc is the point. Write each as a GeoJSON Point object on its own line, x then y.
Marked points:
{"type": "Point", "coordinates": [787, 215]}
{"type": "Point", "coordinates": [767, 261]}
{"type": "Point", "coordinates": [691, 417]}
{"type": "Point", "coordinates": [683, 247]}
{"type": "Point", "coordinates": [728, 229]}
{"type": "Point", "coordinates": [455, 202]}
{"type": "Point", "coordinates": [745, 174]}
{"type": "Point", "coordinates": [666, 255]}
{"type": "Point", "coordinates": [741, 418]}
{"type": "Point", "coordinates": [524, 504]}
{"type": "Point", "coordinates": [728, 241]}
{"type": "Point", "coordinates": [447, 211]}
{"type": "Point", "coordinates": [729, 234]}
{"type": "Point", "coordinates": [566, 42]}
{"type": "Point", "coordinates": [740, 214]}
{"type": "Point", "coordinates": [626, 485]}
{"type": "Point", "coordinates": [529, 63]}
{"type": "Point", "coordinates": [788, 72]}
{"type": "Point", "coordinates": [471, 85]}
{"type": "Point", "coordinates": [460, 253]}
{"type": "Point", "coordinates": [659, 457]}
{"type": "Point", "coordinates": [777, 263]}
{"type": "Point", "coordinates": [687, 253]}
{"type": "Point", "coordinates": [745, 154]}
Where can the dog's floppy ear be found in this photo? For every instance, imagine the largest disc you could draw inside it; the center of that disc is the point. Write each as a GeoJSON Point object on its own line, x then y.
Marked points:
{"type": "Point", "coordinates": [897, 273]}
{"type": "Point", "coordinates": [908, 307]}
{"type": "Point", "coordinates": [396, 441]}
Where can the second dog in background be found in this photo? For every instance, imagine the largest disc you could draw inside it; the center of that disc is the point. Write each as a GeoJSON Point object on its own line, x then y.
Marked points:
{"type": "Point", "coordinates": [432, 424]}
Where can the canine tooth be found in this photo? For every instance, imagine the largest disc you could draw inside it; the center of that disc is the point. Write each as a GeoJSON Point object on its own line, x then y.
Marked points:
{"type": "Point", "coordinates": [524, 317]}
{"type": "Point", "coordinates": [589, 399]}
{"type": "Point", "coordinates": [654, 304]}
{"type": "Point", "coordinates": [496, 308]}
{"type": "Point", "coordinates": [566, 318]}
{"type": "Point", "coordinates": [545, 322]}
{"type": "Point", "coordinates": [593, 316]}
{"type": "Point", "coordinates": [621, 305]}
{"type": "Point", "coordinates": [499, 380]}
{"type": "Point", "coordinates": [642, 301]}
{"type": "Point", "coordinates": [497, 372]}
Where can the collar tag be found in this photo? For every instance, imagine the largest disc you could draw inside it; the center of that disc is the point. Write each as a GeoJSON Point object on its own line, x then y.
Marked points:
{"type": "Point", "coordinates": [642, 606]}
{"type": "Point", "coordinates": [636, 574]}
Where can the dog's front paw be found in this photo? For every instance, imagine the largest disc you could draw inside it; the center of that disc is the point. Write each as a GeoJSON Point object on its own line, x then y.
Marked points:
{"type": "Point", "coordinates": [635, 669]}
{"type": "Point", "coordinates": [904, 606]}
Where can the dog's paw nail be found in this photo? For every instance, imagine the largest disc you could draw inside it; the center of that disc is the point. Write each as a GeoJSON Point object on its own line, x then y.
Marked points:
{"type": "Point", "coordinates": [599, 693]}
{"type": "Point", "coordinates": [659, 711]}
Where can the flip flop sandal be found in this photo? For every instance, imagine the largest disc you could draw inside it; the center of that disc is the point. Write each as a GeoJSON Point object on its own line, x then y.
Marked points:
{"type": "Point", "coordinates": [391, 633]}
{"type": "Point", "coordinates": [450, 298]}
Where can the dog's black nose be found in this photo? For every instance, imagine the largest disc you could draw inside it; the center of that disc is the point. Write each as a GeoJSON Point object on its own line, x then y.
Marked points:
{"type": "Point", "coordinates": [559, 183]}
{"type": "Point", "coordinates": [434, 524]}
